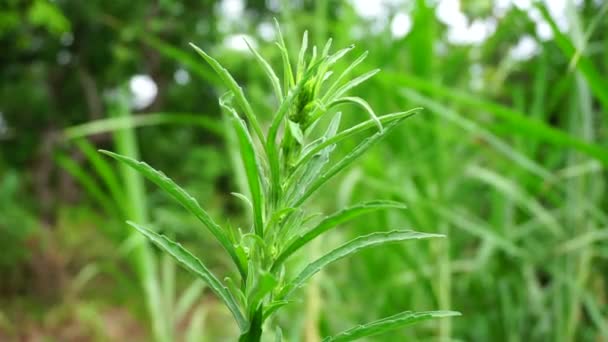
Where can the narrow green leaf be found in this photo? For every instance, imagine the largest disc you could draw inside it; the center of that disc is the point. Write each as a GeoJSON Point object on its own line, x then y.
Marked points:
{"type": "Point", "coordinates": [351, 247]}
{"type": "Point", "coordinates": [358, 101]}
{"type": "Point", "coordinates": [274, 306]}
{"type": "Point", "coordinates": [194, 265]}
{"type": "Point", "coordinates": [299, 180]}
{"type": "Point", "coordinates": [350, 85]}
{"type": "Point", "coordinates": [332, 221]}
{"type": "Point", "coordinates": [386, 324]}
{"type": "Point", "coordinates": [346, 161]}
{"type": "Point", "coordinates": [245, 200]}
{"type": "Point", "coordinates": [301, 66]}
{"type": "Point", "coordinates": [274, 80]}
{"type": "Point", "coordinates": [288, 80]}
{"type": "Point", "coordinates": [327, 47]}
{"type": "Point", "coordinates": [333, 59]}
{"type": "Point", "coordinates": [330, 61]}
{"type": "Point", "coordinates": [345, 73]}
{"type": "Point", "coordinates": [388, 118]}
{"type": "Point", "coordinates": [252, 168]}
{"type": "Point", "coordinates": [183, 198]}
{"type": "Point", "coordinates": [229, 82]}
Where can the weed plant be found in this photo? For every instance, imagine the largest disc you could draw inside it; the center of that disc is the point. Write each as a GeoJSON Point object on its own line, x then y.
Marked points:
{"type": "Point", "coordinates": [284, 166]}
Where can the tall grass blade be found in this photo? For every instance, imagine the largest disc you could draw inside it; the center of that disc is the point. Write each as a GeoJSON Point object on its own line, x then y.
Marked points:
{"type": "Point", "coordinates": [103, 169]}
{"type": "Point", "coordinates": [527, 127]}
{"type": "Point", "coordinates": [593, 76]}
{"type": "Point", "coordinates": [87, 182]}
{"type": "Point", "coordinates": [151, 119]}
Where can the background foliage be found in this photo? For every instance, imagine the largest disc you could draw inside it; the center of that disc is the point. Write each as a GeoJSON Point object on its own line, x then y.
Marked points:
{"type": "Point", "coordinates": [508, 159]}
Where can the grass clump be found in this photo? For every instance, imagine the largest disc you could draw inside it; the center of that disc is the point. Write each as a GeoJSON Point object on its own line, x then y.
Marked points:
{"type": "Point", "coordinates": [284, 166]}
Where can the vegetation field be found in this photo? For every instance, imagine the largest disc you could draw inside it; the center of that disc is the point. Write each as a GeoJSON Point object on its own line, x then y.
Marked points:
{"type": "Point", "coordinates": [331, 170]}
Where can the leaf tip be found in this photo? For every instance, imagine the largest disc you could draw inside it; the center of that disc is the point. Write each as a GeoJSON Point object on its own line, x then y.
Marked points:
{"type": "Point", "coordinates": [106, 152]}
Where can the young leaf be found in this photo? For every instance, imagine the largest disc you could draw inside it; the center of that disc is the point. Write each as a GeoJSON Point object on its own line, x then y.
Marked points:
{"type": "Point", "coordinates": [350, 85]}
{"type": "Point", "coordinates": [244, 199]}
{"type": "Point", "coordinates": [252, 169]}
{"type": "Point", "coordinates": [265, 283]}
{"type": "Point", "coordinates": [346, 161]}
{"type": "Point", "coordinates": [289, 101]}
{"type": "Point", "coordinates": [183, 198]}
{"type": "Point", "coordinates": [336, 56]}
{"type": "Point", "coordinates": [332, 221]}
{"type": "Point", "coordinates": [331, 60]}
{"type": "Point", "coordinates": [229, 82]}
{"type": "Point", "coordinates": [299, 181]}
{"type": "Point", "coordinates": [351, 247]}
{"type": "Point", "coordinates": [274, 80]}
{"type": "Point", "coordinates": [386, 324]}
{"type": "Point", "coordinates": [301, 66]}
{"type": "Point", "coordinates": [288, 80]}
{"type": "Point", "coordinates": [274, 306]}
{"type": "Point", "coordinates": [271, 145]}
{"type": "Point", "coordinates": [194, 265]}
{"type": "Point", "coordinates": [361, 102]}
{"type": "Point", "coordinates": [312, 151]}
{"type": "Point", "coordinates": [327, 47]}
{"type": "Point", "coordinates": [345, 73]}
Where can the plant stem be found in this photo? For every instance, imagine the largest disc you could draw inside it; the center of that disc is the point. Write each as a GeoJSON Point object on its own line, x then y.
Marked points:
{"type": "Point", "coordinates": [254, 334]}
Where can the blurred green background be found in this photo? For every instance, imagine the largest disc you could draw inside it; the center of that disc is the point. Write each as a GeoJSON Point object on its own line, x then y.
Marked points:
{"type": "Point", "coordinates": [508, 159]}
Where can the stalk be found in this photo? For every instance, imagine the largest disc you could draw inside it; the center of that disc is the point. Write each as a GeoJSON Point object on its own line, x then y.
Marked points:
{"type": "Point", "coordinates": [254, 334]}
{"type": "Point", "coordinates": [135, 200]}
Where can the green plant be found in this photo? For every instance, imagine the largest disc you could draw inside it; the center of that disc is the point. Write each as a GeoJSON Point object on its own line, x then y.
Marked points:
{"type": "Point", "coordinates": [282, 172]}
